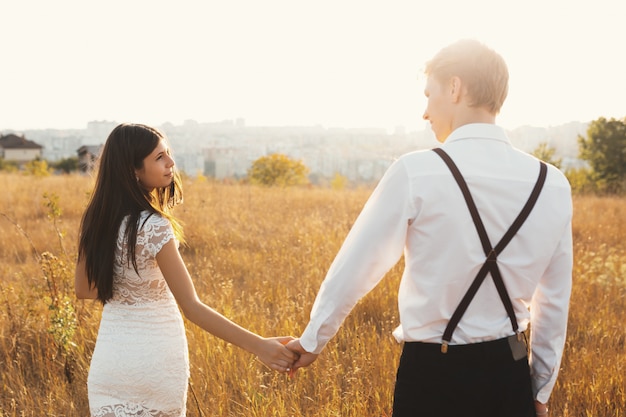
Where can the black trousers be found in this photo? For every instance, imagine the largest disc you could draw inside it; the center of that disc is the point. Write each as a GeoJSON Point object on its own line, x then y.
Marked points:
{"type": "Point", "coordinates": [480, 379]}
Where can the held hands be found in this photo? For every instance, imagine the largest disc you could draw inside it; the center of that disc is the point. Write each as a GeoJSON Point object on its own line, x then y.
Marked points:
{"type": "Point", "coordinates": [284, 354]}
{"type": "Point", "coordinates": [273, 353]}
{"type": "Point", "coordinates": [304, 358]}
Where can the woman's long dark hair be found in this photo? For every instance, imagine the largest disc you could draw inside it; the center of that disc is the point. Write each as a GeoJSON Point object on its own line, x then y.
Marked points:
{"type": "Point", "coordinates": [118, 194]}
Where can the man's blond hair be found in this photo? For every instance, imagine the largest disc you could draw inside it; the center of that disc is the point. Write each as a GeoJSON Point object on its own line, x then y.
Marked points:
{"type": "Point", "coordinates": [482, 70]}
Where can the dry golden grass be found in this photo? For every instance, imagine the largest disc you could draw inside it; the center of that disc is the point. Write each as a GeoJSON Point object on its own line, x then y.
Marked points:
{"type": "Point", "coordinates": [258, 256]}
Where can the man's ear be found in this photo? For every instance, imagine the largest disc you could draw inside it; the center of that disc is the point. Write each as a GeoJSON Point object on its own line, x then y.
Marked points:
{"type": "Point", "coordinates": [456, 86]}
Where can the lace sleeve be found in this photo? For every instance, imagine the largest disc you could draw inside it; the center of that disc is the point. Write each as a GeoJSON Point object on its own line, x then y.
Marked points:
{"type": "Point", "coordinates": [157, 231]}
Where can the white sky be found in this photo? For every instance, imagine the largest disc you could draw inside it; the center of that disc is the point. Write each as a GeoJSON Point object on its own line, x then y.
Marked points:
{"type": "Point", "coordinates": [352, 63]}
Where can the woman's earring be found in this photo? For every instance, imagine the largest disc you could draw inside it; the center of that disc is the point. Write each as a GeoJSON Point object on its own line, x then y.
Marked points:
{"type": "Point", "coordinates": [137, 178]}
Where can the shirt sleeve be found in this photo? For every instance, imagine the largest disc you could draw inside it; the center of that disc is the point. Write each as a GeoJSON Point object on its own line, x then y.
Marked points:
{"type": "Point", "coordinates": [373, 246]}
{"type": "Point", "coordinates": [158, 231]}
{"type": "Point", "coordinates": [549, 310]}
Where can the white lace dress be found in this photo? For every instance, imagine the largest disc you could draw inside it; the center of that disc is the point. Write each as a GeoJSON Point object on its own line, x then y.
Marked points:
{"type": "Point", "coordinates": [140, 365]}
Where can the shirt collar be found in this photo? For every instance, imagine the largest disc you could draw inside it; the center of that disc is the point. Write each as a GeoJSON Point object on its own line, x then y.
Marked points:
{"type": "Point", "coordinates": [478, 131]}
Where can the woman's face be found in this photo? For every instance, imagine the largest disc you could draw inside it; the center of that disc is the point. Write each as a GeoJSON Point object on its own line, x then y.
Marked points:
{"type": "Point", "coordinates": [158, 168]}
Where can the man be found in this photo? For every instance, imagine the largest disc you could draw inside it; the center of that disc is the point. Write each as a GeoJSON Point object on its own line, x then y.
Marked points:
{"type": "Point", "coordinates": [479, 269]}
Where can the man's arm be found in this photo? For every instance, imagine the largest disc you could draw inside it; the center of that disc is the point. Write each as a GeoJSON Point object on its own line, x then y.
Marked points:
{"type": "Point", "coordinates": [549, 310]}
{"type": "Point", "coordinates": [374, 245]}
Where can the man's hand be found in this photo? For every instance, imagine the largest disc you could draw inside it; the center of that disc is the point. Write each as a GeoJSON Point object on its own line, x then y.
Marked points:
{"type": "Point", "coordinates": [305, 359]}
{"type": "Point", "coordinates": [541, 409]}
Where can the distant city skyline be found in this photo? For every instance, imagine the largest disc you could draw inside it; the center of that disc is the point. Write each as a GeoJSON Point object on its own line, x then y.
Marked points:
{"type": "Point", "coordinates": [348, 64]}
{"type": "Point", "coordinates": [227, 149]}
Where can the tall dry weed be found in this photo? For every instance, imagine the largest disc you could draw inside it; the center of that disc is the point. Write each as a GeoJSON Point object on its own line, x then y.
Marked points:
{"type": "Point", "coordinates": [258, 256]}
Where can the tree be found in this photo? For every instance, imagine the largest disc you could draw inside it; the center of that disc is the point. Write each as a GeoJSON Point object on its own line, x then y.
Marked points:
{"type": "Point", "coordinates": [338, 182]}
{"type": "Point", "coordinates": [67, 165]}
{"type": "Point", "coordinates": [278, 169]}
{"type": "Point", "coordinates": [546, 154]}
{"type": "Point", "coordinates": [37, 167]}
{"type": "Point", "coordinates": [604, 149]}
{"type": "Point", "coordinates": [8, 166]}
{"type": "Point", "coordinates": [580, 180]}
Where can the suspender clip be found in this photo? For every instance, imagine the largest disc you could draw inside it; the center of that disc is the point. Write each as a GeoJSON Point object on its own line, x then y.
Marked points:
{"type": "Point", "coordinates": [444, 347]}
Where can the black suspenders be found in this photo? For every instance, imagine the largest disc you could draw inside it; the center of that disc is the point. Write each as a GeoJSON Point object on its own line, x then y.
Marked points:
{"type": "Point", "coordinates": [491, 253]}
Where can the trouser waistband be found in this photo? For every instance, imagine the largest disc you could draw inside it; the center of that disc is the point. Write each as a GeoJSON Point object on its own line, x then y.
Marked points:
{"type": "Point", "coordinates": [492, 350]}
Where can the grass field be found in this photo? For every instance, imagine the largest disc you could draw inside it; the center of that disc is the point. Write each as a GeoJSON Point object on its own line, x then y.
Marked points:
{"type": "Point", "coordinates": [258, 256]}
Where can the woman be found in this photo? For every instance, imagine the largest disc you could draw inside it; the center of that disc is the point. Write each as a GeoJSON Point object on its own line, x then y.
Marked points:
{"type": "Point", "coordinates": [128, 259]}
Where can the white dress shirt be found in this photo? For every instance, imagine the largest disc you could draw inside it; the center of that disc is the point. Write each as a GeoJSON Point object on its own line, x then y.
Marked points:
{"type": "Point", "coordinates": [418, 210]}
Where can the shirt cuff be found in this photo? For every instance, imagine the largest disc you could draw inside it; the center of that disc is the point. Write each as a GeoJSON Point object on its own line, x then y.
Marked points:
{"type": "Point", "coordinates": [309, 342]}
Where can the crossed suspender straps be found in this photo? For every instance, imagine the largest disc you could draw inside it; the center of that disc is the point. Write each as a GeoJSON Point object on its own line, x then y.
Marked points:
{"type": "Point", "coordinates": [491, 262]}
